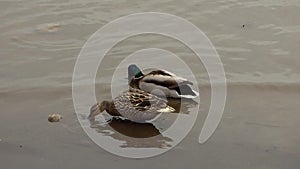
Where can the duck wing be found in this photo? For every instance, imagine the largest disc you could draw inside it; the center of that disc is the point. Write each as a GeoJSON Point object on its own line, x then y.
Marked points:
{"type": "Point", "coordinates": [143, 101]}
{"type": "Point", "coordinates": [166, 80]}
{"type": "Point", "coordinates": [139, 106]}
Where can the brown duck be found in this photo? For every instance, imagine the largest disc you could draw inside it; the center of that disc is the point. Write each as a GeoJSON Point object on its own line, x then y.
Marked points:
{"type": "Point", "coordinates": [135, 105]}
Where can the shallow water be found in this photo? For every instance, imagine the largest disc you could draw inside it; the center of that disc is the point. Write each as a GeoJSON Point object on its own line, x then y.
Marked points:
{"type": "Point", "coordinates": [39, 44]}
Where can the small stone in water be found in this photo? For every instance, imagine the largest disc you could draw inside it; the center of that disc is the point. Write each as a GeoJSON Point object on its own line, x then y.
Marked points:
{"type": "Point", "coordinates": [54, 117]}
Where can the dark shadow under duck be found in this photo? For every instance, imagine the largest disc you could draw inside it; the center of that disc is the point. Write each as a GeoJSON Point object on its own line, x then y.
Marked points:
{"type": "Point", "coordinates": [132, 134]}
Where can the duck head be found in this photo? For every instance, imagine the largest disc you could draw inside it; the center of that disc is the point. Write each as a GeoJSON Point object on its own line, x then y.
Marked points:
{"type": "Point", "coordinates": [98, 108]}
{"type": "Point", "coordinates": [134, 72]}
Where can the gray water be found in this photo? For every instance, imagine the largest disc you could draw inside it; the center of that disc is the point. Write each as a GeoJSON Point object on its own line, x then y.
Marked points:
{"type": "Point", "coordinates": [258, 42]}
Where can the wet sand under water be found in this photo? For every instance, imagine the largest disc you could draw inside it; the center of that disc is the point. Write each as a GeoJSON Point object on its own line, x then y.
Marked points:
{"type": "Point", "coordinates": [252, 134]}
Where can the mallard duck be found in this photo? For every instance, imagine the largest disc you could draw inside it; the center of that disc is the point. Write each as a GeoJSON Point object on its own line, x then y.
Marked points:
{"type": "Point", "coordinates": [171, 85]}
{"type": "Point", "coordinates": [135, 105]}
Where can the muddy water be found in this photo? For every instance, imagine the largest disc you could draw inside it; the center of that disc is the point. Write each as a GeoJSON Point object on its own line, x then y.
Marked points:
{"type": "Point", "coordinates": [258, 42]}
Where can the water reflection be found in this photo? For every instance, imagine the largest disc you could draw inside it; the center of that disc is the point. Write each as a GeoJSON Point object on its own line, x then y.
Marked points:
{"type": "Point", "coordinates": [134, 135]}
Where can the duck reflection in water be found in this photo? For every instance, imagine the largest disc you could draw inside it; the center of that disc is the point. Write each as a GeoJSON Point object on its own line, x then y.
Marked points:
{"type": "Point", "coordinates": [135, 135]}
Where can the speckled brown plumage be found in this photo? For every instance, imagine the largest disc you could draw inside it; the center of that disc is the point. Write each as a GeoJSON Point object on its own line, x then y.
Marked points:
{"type": "Point", "coordinates": [134, 104]}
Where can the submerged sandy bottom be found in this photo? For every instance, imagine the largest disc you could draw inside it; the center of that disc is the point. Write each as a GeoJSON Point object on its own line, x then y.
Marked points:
{"type": "Point", "coordinates": [252, 134]}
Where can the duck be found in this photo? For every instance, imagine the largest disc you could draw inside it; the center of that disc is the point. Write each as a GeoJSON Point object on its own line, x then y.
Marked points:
{"type": "Point", "coordinates": [134, 104]}
{"type": "Point", "coordinates": [160, 82]}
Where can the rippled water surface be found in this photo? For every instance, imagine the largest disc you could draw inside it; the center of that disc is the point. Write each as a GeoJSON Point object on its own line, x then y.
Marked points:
{"type": "Point", "coordinates": [258, 42]}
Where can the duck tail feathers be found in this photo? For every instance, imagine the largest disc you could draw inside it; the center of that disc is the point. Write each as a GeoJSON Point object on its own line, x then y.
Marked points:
{"type": "Point", "coordinates": [193, 95]}
{"type": "Point", "coordinates": [168, 109]}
